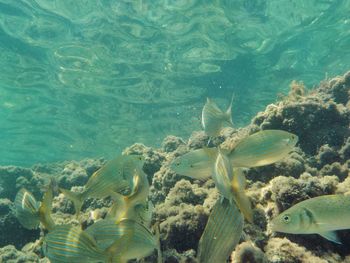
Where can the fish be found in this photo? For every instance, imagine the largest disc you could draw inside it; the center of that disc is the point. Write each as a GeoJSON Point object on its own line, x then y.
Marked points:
{"type": "Point", "coordinates": [214, 119]}
{"type": "Point", "coordinates": [115, 176]}
{"type": "Point", "coordinates": [262, 148]}
{"type": "Point", "coordinates": [135, 205]}
{"type": "Point", "coordinates": [26, 209]}
{"type": "Point", "coordinates": [321, 215]}
{"type": "Point", "coordinates": [70, 244]}
{"type": "Point", "coordinates": [231, 184]}
{"type": "Point", "coordinates": [30, 213]}
{"type": "Point", "coordinates": [221, 234]}
{"type": "Point", "coordinates": [197, 164]}
{"type": "Point", "coordinates": [141, 243]}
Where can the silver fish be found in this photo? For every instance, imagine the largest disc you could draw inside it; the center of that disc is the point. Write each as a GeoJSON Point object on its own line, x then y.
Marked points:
{"type": "Point", "coordinates": [30, 213]}
{"type": "Point", "coordinates": [213, 119]}
{"type": "Point", "coordinates": [140, 243]}
{"type": "Point", "coordinates": [114, 177]}
{"type": "Point", "coordinates": [221, 234]}
{"type": "Point", "coordinates": [319, 215]}
{"type": "Point", "coordinates": [262, 148]}
{"type": "Point", "coordinates": [197, 164]}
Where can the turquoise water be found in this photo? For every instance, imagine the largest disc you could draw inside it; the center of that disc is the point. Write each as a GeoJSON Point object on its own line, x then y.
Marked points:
{"type": "Point", "coordinates": [85, 78]}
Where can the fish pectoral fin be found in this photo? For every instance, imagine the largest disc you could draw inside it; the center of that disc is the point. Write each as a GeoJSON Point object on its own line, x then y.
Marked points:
{"type": "Point", "coordinates": [331, 236]}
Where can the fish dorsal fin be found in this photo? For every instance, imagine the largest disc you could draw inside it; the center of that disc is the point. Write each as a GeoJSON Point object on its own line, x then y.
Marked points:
{"type": "Point", "coordinates": [238, 182]}
{"type": "Point", "coordinates": [228, 113]}
{"type": "Point", "coordinates": [331, 236]}
{"type": "Point", "coordinates": [229, 109]}
{"type": "Point", "coordinates": [210, 152]}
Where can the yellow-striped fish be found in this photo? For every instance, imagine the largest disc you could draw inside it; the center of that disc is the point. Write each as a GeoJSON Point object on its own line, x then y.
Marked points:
{"type": "Point", "coordinates": [133, 206]}
{"type": "Point", "coordinates": [221, 234]}
{"type": "Point", "coordinates": [115, 176]}
{"type": "Point", "coordinates": [197, 164]}
{"type": "Point", "coordinates": [262, 148]}
{"type": "Point", "coordinates": [141, 243]}
{"type": "Point", "coordinates": [231, 184]}
{"type": "Point", "coordinates": [70, 244]}
{"type": "Point", "coordinates": [26, 209]}
{"type": "Point", "coordinates": [319, 215]}
{"type": "Point", "coordinates": [31, 213]}
{"type": "Point", "coordinates": [214, 119]}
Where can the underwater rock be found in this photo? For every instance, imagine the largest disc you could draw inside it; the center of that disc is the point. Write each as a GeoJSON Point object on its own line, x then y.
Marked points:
{"type": "Point", "coordinates": [11, 229]}
{"type": "Point", "coordinates": [345, 150]}
{"type": "Point", "coordinates": [10, 254]}
{"type": "Point", "coordinates": [8, 180]}
{"type": "Point", "coordinates": [172, 256]}
{"type": "Point", "coordinates": [77, 173]}
{"type": "Point", "coordinates": [337, 88]}
{"type": "Point", "coordinates": [326, 155]}
{"type": "Point", "coordinates": [337, 169]}
{"type": "Point", "coordinates": [281, 250]}
{"type": "Point", "coordinates": [183, 215]}
{"type": "Point", "coordinates": [316, 120]}
{"type": "Point", "coordinates": [185, 192]}
{"type": "Point", "coordinates": [153, 159]}
{"type": "Point", "coordinates": [171, 143]}
{"type": "Point", "coordinates": [162, 182]}
{"type": "Point", "coordinates": [287, 191]}
{"type": "Point", "coordinates": [181, 226]}
{"type": "Point", "coordinates": [247, 252]}
{"type": "Point", "coordinates": [197, 140]}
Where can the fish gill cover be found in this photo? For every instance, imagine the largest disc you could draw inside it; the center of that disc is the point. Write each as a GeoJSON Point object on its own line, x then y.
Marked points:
{"type": "Point", "coordinates": [87, 78]}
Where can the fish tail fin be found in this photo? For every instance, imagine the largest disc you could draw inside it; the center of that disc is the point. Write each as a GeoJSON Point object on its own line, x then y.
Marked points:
{"type": "Point", "coordinates": [76, 198]}
{"type": "Point", "coordinates": [244, 204]}
{"type": "Point", "coordinates": [228, 113]}
{"type": "Point", "coordinates": [157, 234]}
{"type": "Point", "coordinates": [46, 207]}
{"type": "Point", "coordinates": [119, 208]}
{"type": "Point", "coordinates": [238, 184]}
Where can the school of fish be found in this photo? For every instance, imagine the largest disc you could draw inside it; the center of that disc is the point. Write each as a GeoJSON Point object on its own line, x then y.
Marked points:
{"type": "Point", "coordinates": [126, 231]}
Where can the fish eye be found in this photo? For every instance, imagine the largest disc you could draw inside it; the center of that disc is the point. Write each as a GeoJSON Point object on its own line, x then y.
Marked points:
{"type": "Point", "coordinates": [286, 219]}
{"type": "Point", "coordinates": [177, 163]}
{"type": "Point", "coordinates": [191, 165]}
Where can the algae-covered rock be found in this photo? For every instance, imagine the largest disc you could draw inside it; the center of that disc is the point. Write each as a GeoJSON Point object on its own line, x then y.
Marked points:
{"type": "Point", "coordinates": [247, 252]}
{"type": "Point", "coordinates": [287, 191]}
{"type": "Point", "coordinates": [11, 231]}
{"type": "Point", "coordinates": [171, 143]}
{"type": "Point", "coordinates": [183, 215]}
{"type": "Point", "coordinates": [8, 180]}
{"type": "Point", "coordinates": [153, 158]}
{"type": "Point", "coordinates": [9, 254]}
{"type": "Point", "coordinates": [281, 250]}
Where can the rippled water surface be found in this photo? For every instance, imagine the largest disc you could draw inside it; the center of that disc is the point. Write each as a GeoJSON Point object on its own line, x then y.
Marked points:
{"type": "Point", "coordinates": [84, 78]}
